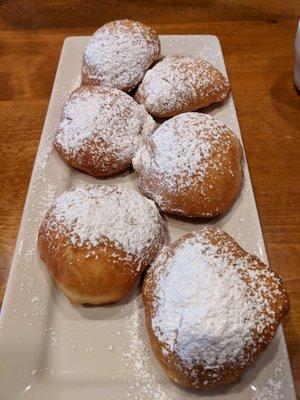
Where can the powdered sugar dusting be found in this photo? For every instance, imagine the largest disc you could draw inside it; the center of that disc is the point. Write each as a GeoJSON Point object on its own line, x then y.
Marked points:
{"type": "Point", "coordinates": [211, 304]}
{"type": "Point", "coordinates": [119, 53]}
{"type": "Point", "coordinates": [107, 124]}
{"type": "Point", "coordinates": [86, 323]}
{"type": "Point", "coordinates": [91, 214]}
{"type": "Point", "coordinates": [181, 149]}
{"type": "Point", "coordinates": [137, 357]}
{"type": "Point", "coordinates": [273, 389]}
{"type": "Point", "coordinates": [176, 83]}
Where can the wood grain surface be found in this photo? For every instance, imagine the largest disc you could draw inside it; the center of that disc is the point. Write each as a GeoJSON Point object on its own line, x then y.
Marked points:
{"type": "Point", "coordinates": [258, 43]}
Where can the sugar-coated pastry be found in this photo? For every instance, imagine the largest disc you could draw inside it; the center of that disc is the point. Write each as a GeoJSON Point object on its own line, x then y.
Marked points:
{"type": "Point", "coordinates": [97, 240]}
{"type": "Point", "coordinates": [119, 53]}
{"type": "Point", "coordinates": [180, 84]}
{"type": "Point", "coordinates": [101, 129]}
{"type": "Point", "coordinates": [190, 166]}
{"type": "Point", "coordinates": [211, 308]}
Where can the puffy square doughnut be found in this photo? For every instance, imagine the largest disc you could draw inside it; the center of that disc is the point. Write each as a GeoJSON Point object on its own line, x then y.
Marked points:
{"type": "Point", "coordinates": [101, 129]}
{"type": "Point", "coordinates": [191, 166]}
{"type": "Point", "coordinates": [119, 53]}
{"type": "Point", "coordinates": [179, 84]}
{"type": "Point", "coordinates": [211, 308]}
{"type": "Point", "coordinates": [97, 240]}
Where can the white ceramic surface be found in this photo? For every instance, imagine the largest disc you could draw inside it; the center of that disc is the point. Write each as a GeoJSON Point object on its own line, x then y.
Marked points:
{"type": "Point", "coordinates": [50, 349]}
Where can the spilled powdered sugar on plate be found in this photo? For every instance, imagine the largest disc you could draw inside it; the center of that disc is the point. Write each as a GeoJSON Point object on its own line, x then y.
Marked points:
{"type": "Point", "coordinates": [273, 389]}
{"type": "Point", "coordinates": [43, 188]}
{"type": "Point", "coordinates": [136, 356]}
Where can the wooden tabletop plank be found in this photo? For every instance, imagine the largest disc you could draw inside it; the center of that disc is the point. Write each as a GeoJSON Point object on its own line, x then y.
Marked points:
{"type": "Point", "coordinates": [36, 14]}
{"type": "Point", "coordinates": [258, 44]}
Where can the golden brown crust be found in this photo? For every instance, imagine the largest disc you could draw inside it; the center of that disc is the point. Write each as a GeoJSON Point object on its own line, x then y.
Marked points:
{"type": "Point", "coordinates": [190, 194]}
{"type": "Point", "coordinates": [119, 53]}
{"type": "Point", "coordinates": [198, 376]}
{"type": "Point", "coordinates": [86, 160]}
{"type": "Point", "coordinates": [179, 84]}
{"type": "Point", "coordinates": [102, 278]}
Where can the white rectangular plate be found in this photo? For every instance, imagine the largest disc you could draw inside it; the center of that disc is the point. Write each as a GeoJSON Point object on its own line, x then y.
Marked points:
{"type": "Point", "coordinates": [50, 349]}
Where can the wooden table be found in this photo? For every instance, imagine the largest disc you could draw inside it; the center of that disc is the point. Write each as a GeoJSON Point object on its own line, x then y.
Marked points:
{"type": "Point", "coordinates": [258, 42]}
